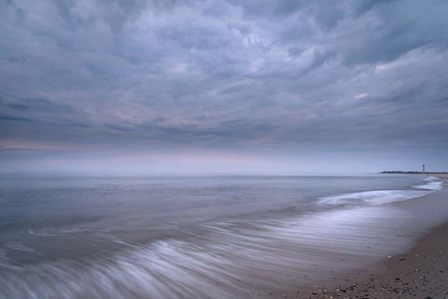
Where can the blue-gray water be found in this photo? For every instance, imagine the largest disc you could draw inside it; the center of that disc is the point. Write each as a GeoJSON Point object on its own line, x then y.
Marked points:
{"type": "Point", "coordinates": [209, 237]}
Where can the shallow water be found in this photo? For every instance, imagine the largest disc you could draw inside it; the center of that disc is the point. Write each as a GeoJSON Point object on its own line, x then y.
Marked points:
{"type": "Point", "coordinates": [208, 237]}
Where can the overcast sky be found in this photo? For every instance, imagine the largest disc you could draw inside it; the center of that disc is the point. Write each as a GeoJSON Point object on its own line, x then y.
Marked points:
{"type": "Point", "coordinates": [223, 86]}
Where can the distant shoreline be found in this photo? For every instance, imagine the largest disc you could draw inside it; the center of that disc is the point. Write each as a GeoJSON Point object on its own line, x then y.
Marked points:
{"type": "Point", "coordinates": [412, 172]}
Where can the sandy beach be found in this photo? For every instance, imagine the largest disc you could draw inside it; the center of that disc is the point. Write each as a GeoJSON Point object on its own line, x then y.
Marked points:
{"type": "Point", "coordinates": [422, 272]}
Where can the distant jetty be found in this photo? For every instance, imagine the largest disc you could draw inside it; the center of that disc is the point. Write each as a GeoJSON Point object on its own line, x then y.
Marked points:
{"type": "Point", "coordinates": [412, 172]}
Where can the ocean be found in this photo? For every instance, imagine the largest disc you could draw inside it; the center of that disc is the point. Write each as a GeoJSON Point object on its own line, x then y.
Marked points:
{"type": "Point", "coordinates": [202, 237]}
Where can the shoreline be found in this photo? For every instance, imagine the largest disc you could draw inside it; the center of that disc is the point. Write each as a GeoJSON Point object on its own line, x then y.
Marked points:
{"type": "Point", "coordinates": [419, 272]}
{"type": "Point", "coordinates": [422, 272]}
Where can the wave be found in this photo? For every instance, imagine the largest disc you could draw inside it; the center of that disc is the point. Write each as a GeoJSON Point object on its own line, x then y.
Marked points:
{"type": "Point", "coordinates": [433, 183]}
{"type": "Point", "coordinates": [55, 232]}
{"type": "Point", "coordinates": [377, 197]}
{"type": "Point", "coordinates": [227, 259]}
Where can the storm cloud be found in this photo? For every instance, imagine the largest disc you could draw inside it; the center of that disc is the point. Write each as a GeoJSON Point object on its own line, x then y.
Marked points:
{"type": "Point", "coordinates": [286, 79]}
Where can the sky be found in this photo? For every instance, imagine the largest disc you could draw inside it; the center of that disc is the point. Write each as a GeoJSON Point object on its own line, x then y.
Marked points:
{"type": "Point", "coordinates": [224, 86]}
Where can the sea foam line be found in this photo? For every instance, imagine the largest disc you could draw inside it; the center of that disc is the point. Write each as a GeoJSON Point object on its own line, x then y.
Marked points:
{"type": "Point", "coordinates": [433, 183]}
{"type": "Point", "coordinates": [371, 198]}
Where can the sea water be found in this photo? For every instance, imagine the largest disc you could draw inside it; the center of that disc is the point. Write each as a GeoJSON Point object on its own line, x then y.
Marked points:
{"type": "Point", "coordinates": [206, 237]}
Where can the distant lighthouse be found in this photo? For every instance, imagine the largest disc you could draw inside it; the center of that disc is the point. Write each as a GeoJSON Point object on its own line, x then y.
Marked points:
{"type": "Point", "coordinates": [423, 168]}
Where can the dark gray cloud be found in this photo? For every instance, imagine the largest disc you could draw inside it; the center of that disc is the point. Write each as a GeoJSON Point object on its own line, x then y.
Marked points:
{"type": "Point", "coordinates": [282, 76]}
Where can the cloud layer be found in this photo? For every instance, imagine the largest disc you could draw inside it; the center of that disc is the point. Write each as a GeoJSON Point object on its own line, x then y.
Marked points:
{"type": "Point", "coordinates": [224, 75]}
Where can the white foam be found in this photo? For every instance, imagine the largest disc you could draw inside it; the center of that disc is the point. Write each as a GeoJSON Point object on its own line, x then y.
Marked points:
{"type": "Point", "coordinates": [371, 197]}
{"type": "Point", "coordinates": [433, 184]}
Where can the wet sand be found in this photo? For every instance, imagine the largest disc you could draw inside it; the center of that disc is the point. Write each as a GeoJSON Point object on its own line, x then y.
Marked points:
{"type": "Point", "coordinates": [422, 272]}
